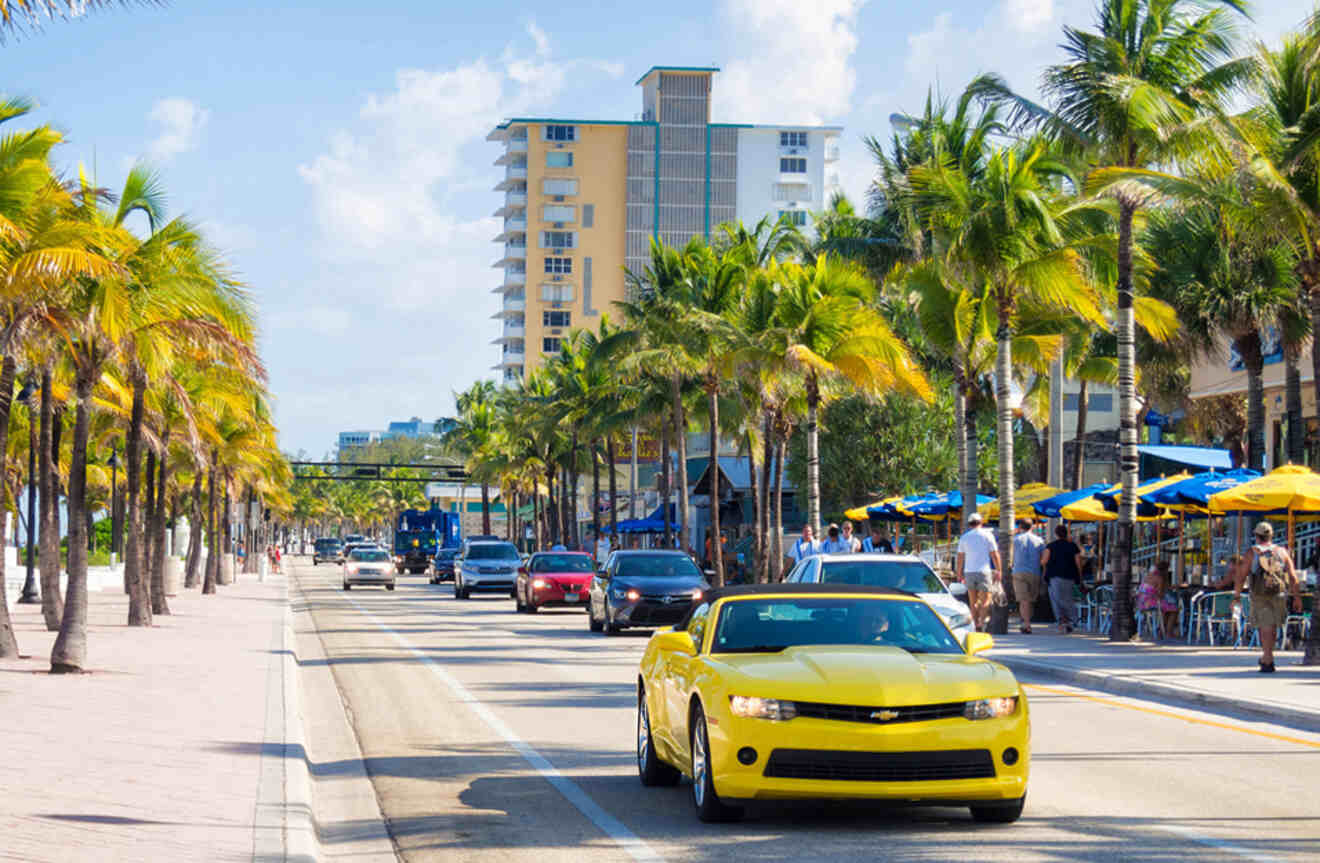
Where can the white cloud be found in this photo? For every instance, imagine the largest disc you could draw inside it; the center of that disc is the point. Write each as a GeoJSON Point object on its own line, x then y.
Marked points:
{"type": "Point", "coordinates": [1029, 16]}
{"type": "Point", "coordinates": [180, 123]}
{"type": "Point", "coordinates": [792, 60]}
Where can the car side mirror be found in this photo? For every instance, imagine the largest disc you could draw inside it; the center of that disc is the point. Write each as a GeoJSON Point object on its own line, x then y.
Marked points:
{"type": "Point", "coordinates": [678, 642]}
{"type": "Point", "coordinates": [978, 642]}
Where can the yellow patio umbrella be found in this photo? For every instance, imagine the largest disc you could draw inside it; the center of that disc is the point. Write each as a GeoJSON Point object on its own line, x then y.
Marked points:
{"type": "Point", "coordinates": [1093, 509]}
{"type": "Point", "coordinates": [1024, 497]}
{"type": "Point", "coordinates": [859, 513]}
{"type": "Point", "coordinates": [1291, 488]}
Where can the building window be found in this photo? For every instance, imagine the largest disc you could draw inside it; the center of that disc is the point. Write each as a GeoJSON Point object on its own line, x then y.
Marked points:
{"type": "Point", "coordinates": [559, 293]}
{"type": "Point", "coordinates": [797, 218]}
{"type": "Point", "coordinates": [550, 346]}
{"type": "Point", "coordinates": [559, 159]}
{"type": "Point", "coordinates": [561, 133]}
{"type": "Point", "coordinates": [792, 139]}
{"type": "Point", "coordinates": [556, 319]}
{"type": "Point", "coordinates": [586, 288]}
{"type": "Point", "coordinates": [558, 239]}
{"type": "Point", "coordinates": [792, 192]}
{"type": "Point", "coordinates": [559, 213]}
{"type": "Point", "coordinates": [559, 266]}
{"type": "Point", "coordinates": [588, 215]}
{"type": "Point", "coordinates": [791, 165]}
{"type": "Point", "coordinates": [560, 185]}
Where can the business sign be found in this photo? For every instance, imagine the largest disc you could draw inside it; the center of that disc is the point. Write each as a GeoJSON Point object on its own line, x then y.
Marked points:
{"type": "Point", "coordinates": [648, 448]}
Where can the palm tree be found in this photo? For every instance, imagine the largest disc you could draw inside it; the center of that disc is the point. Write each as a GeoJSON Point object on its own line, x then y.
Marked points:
{"type": "Point", "coordinates": [1134, 93]}
{"type": "Point", "coordinates": [17, 16]}
{"type": "Point", "coordinates": [832, 334]}
{"type": "Point", "coordinates": [472, 432]}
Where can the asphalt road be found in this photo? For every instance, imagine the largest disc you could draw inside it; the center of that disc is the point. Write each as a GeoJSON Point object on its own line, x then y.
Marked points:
{"type": "Point", "coordinates": [490, 735]}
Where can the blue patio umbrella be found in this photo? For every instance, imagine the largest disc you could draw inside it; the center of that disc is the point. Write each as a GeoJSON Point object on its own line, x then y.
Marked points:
{"type": "Point", "coordinates": [937, 506]}
{"type": "Point", "coordinates": [1050, 506]}
{"type": "Point", "coordinates": [1196, 491]}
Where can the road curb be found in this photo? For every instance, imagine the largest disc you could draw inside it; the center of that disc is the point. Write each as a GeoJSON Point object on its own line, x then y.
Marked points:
{"type": "Point", "coordinates": [1300, 718]}
{"type": "Point", "coordinates": [301, 842]}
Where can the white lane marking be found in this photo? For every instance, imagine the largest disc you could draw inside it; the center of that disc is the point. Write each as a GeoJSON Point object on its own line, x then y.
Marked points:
{"type": "Point", "coordinates": [1220, 844]}
{"type": "Point", "coordinates": [608, 824]}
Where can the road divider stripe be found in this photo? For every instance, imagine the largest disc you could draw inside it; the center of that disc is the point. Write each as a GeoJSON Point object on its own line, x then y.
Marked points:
{"type": "Point", "coordinates": [1171, 715]}
{"type": "Point", "coordinates": [573, 793]}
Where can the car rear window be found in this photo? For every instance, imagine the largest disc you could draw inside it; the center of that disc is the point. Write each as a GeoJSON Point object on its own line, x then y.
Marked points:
{"type": "Point", "coordinates": [561, 563]}
{"type": "Point", "coordinates": [657, 566]}
{"type": "Point", "coordinates": [910, 575]}
{"type": "Point", "coordinates": [493, 551]}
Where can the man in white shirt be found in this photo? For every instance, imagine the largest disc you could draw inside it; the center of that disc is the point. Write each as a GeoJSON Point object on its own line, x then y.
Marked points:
{"type": "Point", "coordinates": [854, 544]}
{"type": "Point", "coordinates": [804, 547]}
{"type": "Point", "coordinates": [835, 544]}
{"type": "Point", "coordinates": [978, 567]}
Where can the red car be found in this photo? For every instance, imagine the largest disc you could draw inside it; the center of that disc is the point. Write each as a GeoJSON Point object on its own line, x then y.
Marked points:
{"type": "Point", "coordinates": [553, 579]}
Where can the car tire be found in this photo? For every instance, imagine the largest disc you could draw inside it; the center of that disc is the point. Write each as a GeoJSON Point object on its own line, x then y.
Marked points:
{"type": "Point", "coordinates": [347, 586]}
{"type": "Point", "coordinates": [389, 586]}
{"type": "Point", "coordinates": [710, 808]}
{"type": "Point", "coordinates": [650, 769]}
{"type": "Point", "coordinates": [531, 608]}
{"type": "Point", "coordinates": [592, 624]}
{"type": "Point", "coordinates": [999, 813]}
{"type": "Point", "coordinates": [518, 603]}
{"type": "Point", "coordinates": [313, 561]}
{"type": "Point", "coordinates": [610, 627]}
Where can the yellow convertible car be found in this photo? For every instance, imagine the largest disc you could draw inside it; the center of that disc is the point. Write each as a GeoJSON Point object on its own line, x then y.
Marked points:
{"type": "Point", "coordinates": [789, 691]}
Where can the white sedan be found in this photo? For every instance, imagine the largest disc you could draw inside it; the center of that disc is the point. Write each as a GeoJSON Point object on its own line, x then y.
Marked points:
{"type": "Point", "coordinates": [903, 571]}
{"type": "Point", "coordinates": [369, 565]}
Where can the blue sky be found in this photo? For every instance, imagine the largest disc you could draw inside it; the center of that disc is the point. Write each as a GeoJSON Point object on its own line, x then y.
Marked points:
{"type": "Point", "coordinates": [336, 150]}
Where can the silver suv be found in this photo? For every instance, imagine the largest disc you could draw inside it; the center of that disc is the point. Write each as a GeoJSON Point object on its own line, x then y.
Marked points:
{"type": "Point", "coordinates": [487, 566]}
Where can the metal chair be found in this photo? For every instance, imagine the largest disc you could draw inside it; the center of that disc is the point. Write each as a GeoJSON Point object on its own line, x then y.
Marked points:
{"type": "Point", "coordinates": [1213, 611]}
{"type": "Point", "coordinates": [1302, 622]}
{"type": "Point", "coordinates": [1102, 600]}
{"type": "Point", "coordinates": [1082, 603]}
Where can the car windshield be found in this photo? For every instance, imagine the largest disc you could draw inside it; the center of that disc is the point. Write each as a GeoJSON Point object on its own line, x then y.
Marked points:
{"type": "Point", "coordinates": [445, 554]}
{"type": "Point", "coordinates": [771, 624]}
{"type": "Point", "coordinates": [561, 563]}
{"type": "Point", "coordinates": [493, 551]}
{"type": "Point", "coordinates": [657, 566]}
{"type": "Point", "coordinates": [910, 575]}
{"type": "Point", "coordinates": [327, 543]}
{"type": "Point", "coordinates": [369, 555]}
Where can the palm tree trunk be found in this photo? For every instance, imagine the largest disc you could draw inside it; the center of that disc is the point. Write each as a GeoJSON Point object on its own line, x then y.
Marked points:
{"type": "Point", "coordinates": [148, 527]}
{"type": "Point", "coordinates": [666, 483]}
{"type": "Point", "coordinates": [1249, 348]}
{"type": "Point", "coordinates": [813, 454]}
{"type": "Point", "coordinates": [8, 643]}
{"type": "Point", "coordinates": [713, 469]}
{"type": "Point", "coordinates": [536, 520]}
{"type": "Point", "coordinates": [1004, 440]}
{"type": "Point", "coordinates": [212, 575]}
{"type": "Point", "coordinates": [193, 567]}
{"type": "Point", "coordinates": [1123, 626]}
{"type": "Point", "coordinates": [959, 433]}
{"type": "Point", "coordinates": [595, 490]}
{"type": "Point", "coordinates": [614, 492]}
{"type": "Point", "coordinates": [763, 500]}
{"type": "Point", "coordinates": [139, 602]}
{"type": "Point", "coordinates": [1079, 463]}
{"type": "Point", "coordinates": [777, 546]}
{"type": "Point", "coordinates": [159, 604]}
{"type": "Point", "coordinates": [485, 508]}
{"type": "Point", "coordinates": [551, 506]}
{"type": "Point", "coordinates": [69, 653]}
{"type": "Point", "coordinates": [680, 433]}
{"type": "Point", "coordinates": [225, 529]}
{"type": "Point", "coordinates": [1292, 396]}
{"type": "Point", "coordinates": [48, 483]}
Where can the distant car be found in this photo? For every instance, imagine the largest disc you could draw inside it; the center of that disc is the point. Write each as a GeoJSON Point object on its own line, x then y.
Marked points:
{"type": "Point", "coordinates": [368, 565]}
{"type": "Point", "coordinates": [486, 566]}
{"type": "Point", "coordinates": [326, 550]}
{"type": "Point", "coordinates": [442, 565]}
{"type": "Point", "coordinates": [553, 579]}
{"type": "Point", "coordinates": [354, 537]}
{"type": "Point", "coordinates": [643, 588]}
{"type": "Point", "coordinates": [349, 547]}
{"type": "Point", "coordinates": [903, 571]}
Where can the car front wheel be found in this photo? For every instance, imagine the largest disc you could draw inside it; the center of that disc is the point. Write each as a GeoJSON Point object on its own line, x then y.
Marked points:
{"type": "Point", "coordinates": [650, 769]}
{"type": "Point", "coordinates": [708, 804]}
{"type": "Point", "coordinates": [592, 623]}
{"type": "Point", "coordinates": [999, 813]}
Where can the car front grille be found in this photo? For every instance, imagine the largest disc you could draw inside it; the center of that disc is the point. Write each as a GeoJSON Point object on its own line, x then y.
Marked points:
{"type": "Point", "coordinates": [879, 715]}
{"type": "Point", "coordinates": [843, 765]}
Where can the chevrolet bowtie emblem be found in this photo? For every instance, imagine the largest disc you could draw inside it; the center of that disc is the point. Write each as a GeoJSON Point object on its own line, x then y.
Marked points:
{"type": "Point", "coordinates": [668, 600]}
{"type": "Point", "coordinates": [884, 715]}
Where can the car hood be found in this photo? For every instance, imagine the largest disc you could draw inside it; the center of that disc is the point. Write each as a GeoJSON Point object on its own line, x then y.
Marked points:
{"type": "Point", "coordinates": [656, 585]}
{"type": "Point", "coordinates": [944, 604]}
{"type": "Point", "coordinates": [864, 675]}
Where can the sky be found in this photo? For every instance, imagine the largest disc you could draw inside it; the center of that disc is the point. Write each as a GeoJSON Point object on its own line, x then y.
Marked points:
{"type": "Point", "coordinates": [336, 152]}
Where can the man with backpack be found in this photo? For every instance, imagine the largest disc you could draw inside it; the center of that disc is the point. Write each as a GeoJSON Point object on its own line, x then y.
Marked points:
{"type": "Point", "coordinates": [1270, 573]}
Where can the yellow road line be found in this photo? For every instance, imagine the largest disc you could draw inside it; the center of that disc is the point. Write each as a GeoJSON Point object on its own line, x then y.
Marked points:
{"type": "Point", "coordinates": [1169, 715]}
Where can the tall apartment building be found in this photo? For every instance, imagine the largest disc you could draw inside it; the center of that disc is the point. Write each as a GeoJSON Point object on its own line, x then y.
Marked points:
{"type": "Point", "coordinates": [583, 198]}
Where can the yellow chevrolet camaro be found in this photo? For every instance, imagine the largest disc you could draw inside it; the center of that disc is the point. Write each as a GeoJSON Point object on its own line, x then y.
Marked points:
{"type": "Point", "coordinates": [827, 691]}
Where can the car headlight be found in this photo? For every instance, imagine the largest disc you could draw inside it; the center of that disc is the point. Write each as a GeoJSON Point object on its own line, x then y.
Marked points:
{"type": "Point", "coordinates": [958, 621]}
{"type": "Point", "coordinates": [631, 594]}
{"type": "Point", "coordinates": [751, 707]}
{"type": "Point", "coordinates": [697, 594]}
{"type": "Point", "coordinates": [538, 583]}
{"type": "Point", "coordinates": [990, 708]}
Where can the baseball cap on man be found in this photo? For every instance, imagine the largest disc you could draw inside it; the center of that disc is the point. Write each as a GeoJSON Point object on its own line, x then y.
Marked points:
{"type": "Point", "coordinates": [1264, 529]}
{"type": "Point", "coordinates": [974, 518]}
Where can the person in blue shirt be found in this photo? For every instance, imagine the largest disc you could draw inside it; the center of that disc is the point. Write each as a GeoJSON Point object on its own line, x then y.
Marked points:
{"type": "Point", "coordinates": [835, 544]}
{"type": "Point", "coordinates": [804, 547]}
{"type": "Point", "coordinates": [877, 542]}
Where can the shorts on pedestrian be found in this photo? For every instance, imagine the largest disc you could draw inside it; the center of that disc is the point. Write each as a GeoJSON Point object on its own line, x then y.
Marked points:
{"type": "Point", "coordinates": [978, 580]}
{"type": "Point", "coordinates": [1268, 611]}
{"type": "Point", "coordinates": [1026, 585]}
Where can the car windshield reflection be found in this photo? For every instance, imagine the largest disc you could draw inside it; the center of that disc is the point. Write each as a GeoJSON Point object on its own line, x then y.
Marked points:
{"type": "Point", "coordinates": [768, 625]}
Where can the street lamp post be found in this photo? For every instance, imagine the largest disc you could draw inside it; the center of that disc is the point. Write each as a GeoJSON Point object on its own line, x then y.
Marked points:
{"type": "Point", "coordinates": [31, 593]}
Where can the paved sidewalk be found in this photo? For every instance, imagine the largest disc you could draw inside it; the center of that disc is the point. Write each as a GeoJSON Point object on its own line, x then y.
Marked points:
{"type": "Point", "coordinates": [1221, 678]}
{"type": "Point", "coordinates": [183, 741]}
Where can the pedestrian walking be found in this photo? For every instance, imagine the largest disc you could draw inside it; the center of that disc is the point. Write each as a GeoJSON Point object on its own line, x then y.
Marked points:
{"type": "Point", "coordinates": [278, 559]}
{"type": "Point", "coordinates": [877, 542]}
{"type": "Point", "coordinates": [1027, 548]}
{"type": "Point", "coordinates": [854, 544]}
{"type": "Point", "coordinates": [1270, 571]}
{"type": "Point", "coordinates": [804, 547]}
{"type": "Point", "coordinates": [978, 567]}
{"type": "Point", "coordinates": [1062, 560]}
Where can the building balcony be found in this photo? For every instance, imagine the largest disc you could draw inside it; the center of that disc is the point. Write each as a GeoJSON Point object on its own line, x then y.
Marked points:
{"type": "Point", "coordinates": [515, 231]}
{"type": "Point", "coordinates": [517, 145]}
{"type": "Point", "coordinates": [513, 254]}
{"type": "Point", "coordinates": [831, 151]}
{"type": "Point", "coordinates": [515, 199]}
{"type": "Point", "coordinates": [515, 178]}
{"type": "Point", "coordinates": [510, 359]}
{"type": "Point", "coordinates": [512, 331]}
{"type": "Point", "coordinates": [513, 307]}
